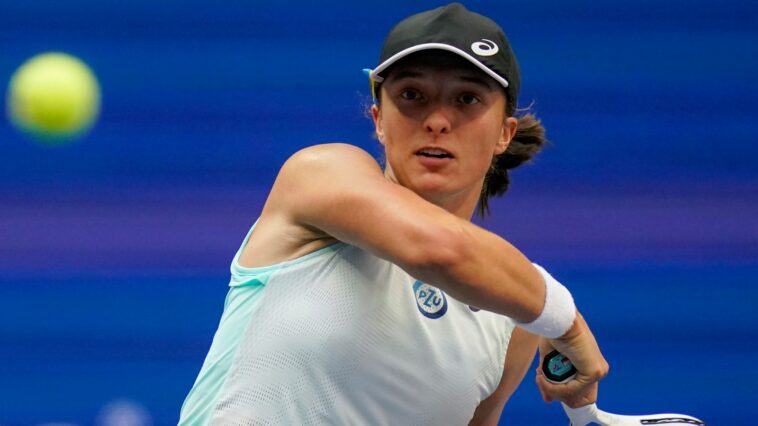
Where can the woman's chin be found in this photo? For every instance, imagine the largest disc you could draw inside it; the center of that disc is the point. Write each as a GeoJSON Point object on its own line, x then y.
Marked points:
{"type": "Point", "coordinates": [431, 185]}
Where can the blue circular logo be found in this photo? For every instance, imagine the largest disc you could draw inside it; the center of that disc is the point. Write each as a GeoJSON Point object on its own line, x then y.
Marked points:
{"type": "Point", "coordinates": [431, 301]}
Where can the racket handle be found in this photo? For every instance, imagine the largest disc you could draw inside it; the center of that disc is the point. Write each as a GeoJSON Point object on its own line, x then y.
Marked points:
{"type": "Point", "coordinates": [557, 368]}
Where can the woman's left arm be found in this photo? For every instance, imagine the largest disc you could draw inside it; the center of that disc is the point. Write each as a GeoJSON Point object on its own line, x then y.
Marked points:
{"type": "Point", "coordinates": [518, 358]}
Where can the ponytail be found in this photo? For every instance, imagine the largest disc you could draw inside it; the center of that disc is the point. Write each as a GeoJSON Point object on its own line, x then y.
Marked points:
{"type": "Point", "coordinates": [526, 143]}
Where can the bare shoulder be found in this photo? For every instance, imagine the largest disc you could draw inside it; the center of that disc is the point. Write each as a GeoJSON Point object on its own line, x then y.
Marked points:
{"type": "Point", "coordinates": [332, 149]}
{"type": "Point", "coordinates": [316, 175]}
{"type": "Point", "coordinates": [307, 181]}
{"type": "Point", "coordinates": [334, 157]}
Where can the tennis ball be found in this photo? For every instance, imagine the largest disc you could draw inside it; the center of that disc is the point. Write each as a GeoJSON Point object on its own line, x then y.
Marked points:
{"type": "Point", "coordinates": [54, 97]}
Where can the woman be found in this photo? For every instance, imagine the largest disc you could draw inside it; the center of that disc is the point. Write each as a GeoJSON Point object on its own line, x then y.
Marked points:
{"type": "Point", "coordinates": [366, 296]}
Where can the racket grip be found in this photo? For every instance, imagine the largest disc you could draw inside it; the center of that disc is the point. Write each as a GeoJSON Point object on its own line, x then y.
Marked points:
{"type": "Point", "coordinates": [557, 368]}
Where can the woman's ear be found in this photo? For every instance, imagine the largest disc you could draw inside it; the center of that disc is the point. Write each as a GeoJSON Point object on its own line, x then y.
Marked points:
{"type": "Point", "coordinates": [376, 115]}
{"type": "Point", "coordinates": [510, 126]}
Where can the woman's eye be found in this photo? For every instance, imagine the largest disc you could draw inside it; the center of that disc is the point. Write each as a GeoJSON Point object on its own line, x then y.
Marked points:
{"type": "Point", "coordinates": [410, 95]}
{"type": "Point", "coordinates": [468, 99]}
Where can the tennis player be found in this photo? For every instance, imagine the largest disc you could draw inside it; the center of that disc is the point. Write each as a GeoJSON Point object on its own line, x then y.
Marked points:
{"type": "Point", "coordinates": [363, 295]}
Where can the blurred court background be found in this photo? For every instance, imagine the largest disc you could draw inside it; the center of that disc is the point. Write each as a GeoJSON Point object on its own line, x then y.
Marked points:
{"type": "Point", "coordinates": [114, 250]}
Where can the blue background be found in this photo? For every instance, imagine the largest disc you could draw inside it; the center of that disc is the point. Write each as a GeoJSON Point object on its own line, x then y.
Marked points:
{"type": "Point", "coordinates": [114, 250]}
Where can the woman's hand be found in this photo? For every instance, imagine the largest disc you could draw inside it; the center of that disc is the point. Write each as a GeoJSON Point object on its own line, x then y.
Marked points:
{"type": "Point", "coordinates": [579, 345]}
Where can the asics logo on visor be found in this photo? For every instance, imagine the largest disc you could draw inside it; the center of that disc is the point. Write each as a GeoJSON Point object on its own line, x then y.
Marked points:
{"type": "Point", "coordinates": [484, 47]}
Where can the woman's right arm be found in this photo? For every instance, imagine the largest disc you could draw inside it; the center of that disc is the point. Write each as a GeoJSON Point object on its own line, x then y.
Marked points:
{"type": "Point", "coordinates": [339, 190]}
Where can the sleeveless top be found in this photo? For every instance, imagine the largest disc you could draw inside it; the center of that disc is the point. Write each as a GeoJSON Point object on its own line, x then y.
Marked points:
{"type": "Point", "coordinates": [342, 337]}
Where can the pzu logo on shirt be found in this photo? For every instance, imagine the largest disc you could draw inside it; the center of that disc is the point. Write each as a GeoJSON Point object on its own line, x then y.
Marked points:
{"type": "Point", "coordinates": [431, 302]}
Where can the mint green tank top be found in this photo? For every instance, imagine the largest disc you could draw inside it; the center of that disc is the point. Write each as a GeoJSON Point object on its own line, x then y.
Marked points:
{"type": "Point", "coordinates": [340, 336]}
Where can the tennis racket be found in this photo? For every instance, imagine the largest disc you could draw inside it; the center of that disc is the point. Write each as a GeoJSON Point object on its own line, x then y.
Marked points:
{"type": "Point", "coordinates": [558, 369]}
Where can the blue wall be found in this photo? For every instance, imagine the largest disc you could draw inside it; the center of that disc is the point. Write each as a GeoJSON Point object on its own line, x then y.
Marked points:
{"type": "Point", "coordinates": [114, 250]}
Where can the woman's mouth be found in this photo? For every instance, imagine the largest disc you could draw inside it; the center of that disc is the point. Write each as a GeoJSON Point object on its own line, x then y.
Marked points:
{"type": "Point", "coordinates": [434, 153]}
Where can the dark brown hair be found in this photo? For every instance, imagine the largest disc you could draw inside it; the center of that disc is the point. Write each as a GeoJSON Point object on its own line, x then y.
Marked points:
{"type": "Point", "coordinates": [526, 143]}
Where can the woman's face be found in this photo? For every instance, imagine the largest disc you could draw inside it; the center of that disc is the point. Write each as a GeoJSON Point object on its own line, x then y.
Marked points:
{"type": "Point", "coordinates": [441, 122]}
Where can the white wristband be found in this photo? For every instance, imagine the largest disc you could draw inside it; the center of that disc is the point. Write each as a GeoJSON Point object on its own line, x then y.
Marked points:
{"type": "Point", "coordinates": [559, 311]}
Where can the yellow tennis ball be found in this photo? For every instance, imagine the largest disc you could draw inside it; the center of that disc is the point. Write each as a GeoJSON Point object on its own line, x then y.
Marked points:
{"type": "Point", "coordinates": [54, 97]}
